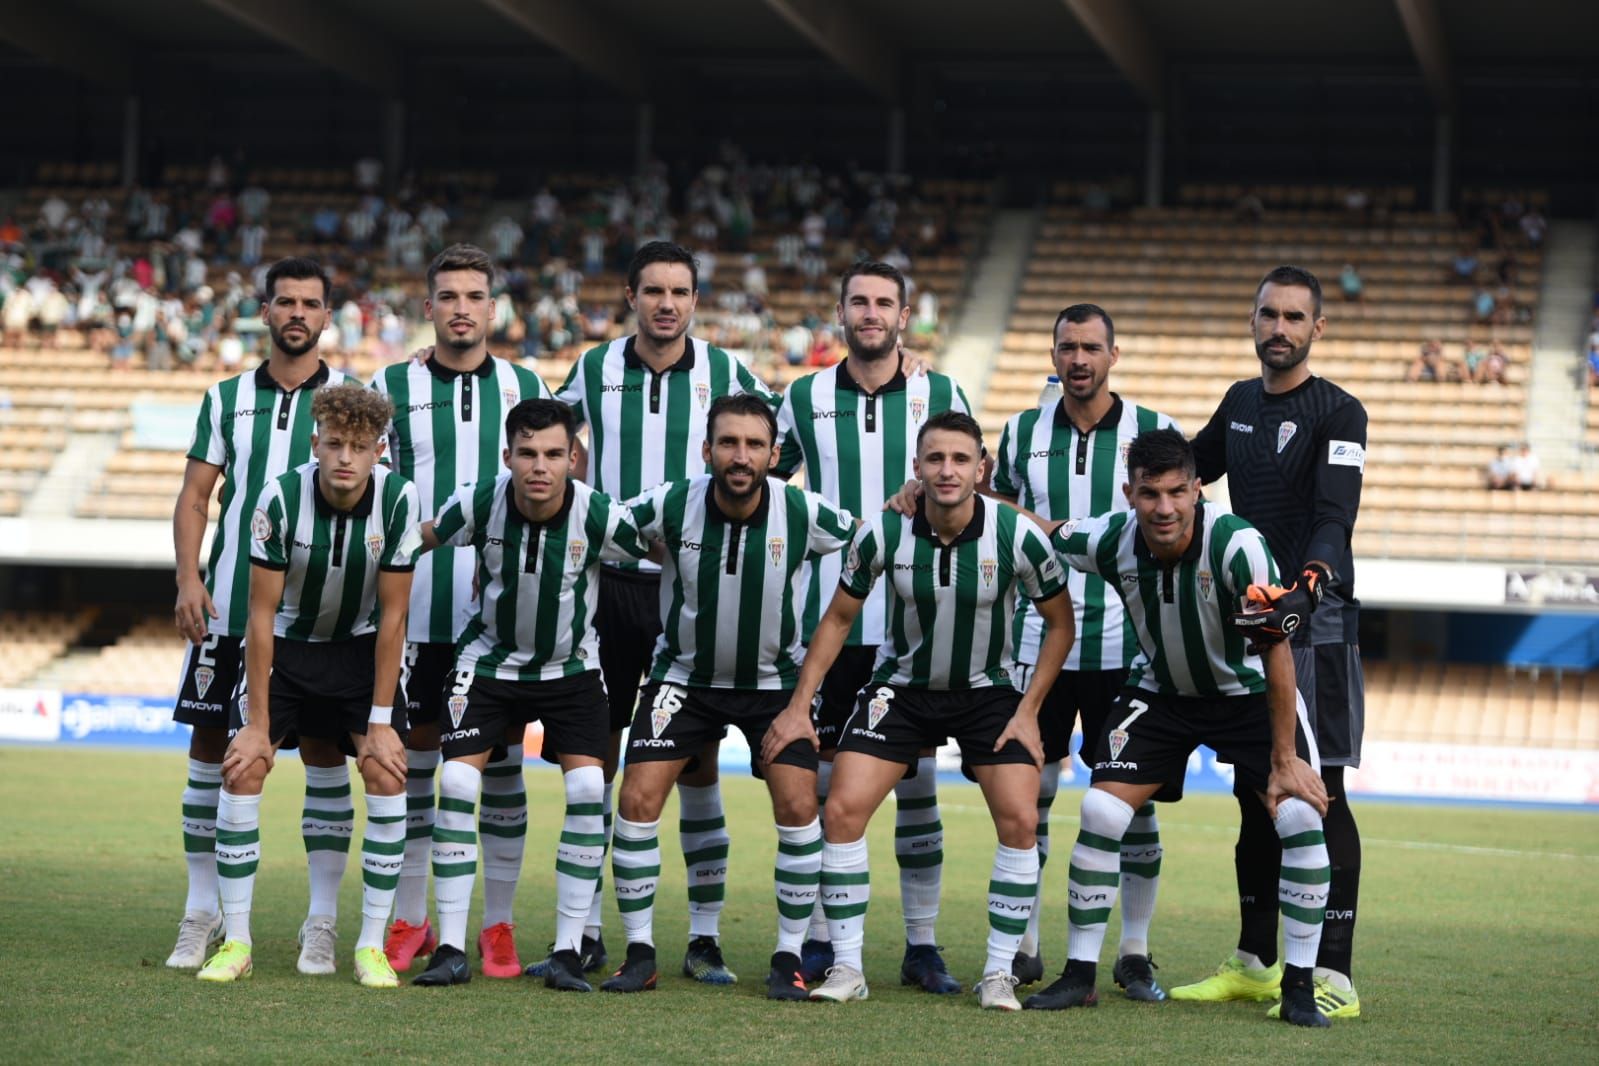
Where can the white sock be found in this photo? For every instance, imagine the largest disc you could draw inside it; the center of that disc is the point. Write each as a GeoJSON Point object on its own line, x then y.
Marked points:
{"type": "Point", "coordinates": [502, 828]}
{"type": "Point", "coordinates": [919, 850]}
{"type": "Point", "coordinates": [1141, 854]}
{"type": "Point", "coordinates": [327, 823]}
{"type": "Point", "coordinates": [824, 781]}
{"type": "Point", "coordinates": [200, 797]}
{"type": "Point", "coordinates": [1095, 873]}
{"type": "Point", "coordinates": [455, 849]}
{"type": "Point", "coordinates": [382, 852]}
{"type": "Point", "coordinates": [578, 855]}
{"type": "Point", "coordinates": [421, 788]}
{"type": "Point", "coordinates": [1302, 881]}
{"type": "Point", "coordinates": [1011, 888]}
{"type": "Point", "coordinates": [1048, 785]}
{"type": "Point", "coordinates": [591, 927]}
{"type": "Point", "coordinates": [636, 871]}
{"type": "Point", "coordinates": [798, 877]}
{"type": "Point", "coordinates": [846, 890]}
{"type": "Point", "coordinates": [702, 828]}
{"type": "Point", "coordinates": [238, 855]}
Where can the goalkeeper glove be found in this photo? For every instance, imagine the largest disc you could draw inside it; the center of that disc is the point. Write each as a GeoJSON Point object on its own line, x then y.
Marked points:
{"type": "Point", "coordinates": [1271, 614]}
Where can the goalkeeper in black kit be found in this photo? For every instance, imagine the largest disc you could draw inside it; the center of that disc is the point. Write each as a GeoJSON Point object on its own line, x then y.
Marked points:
{"type": "Point", "coordinates": [1293, 448]}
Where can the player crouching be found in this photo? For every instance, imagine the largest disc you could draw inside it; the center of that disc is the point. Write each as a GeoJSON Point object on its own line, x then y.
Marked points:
{"type": "Point", "coordinates": [333, 544]}
{"type": "Point", "coordinates": [1183, 569]}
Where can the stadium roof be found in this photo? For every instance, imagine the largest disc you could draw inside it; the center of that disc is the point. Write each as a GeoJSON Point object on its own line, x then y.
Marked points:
{"type": "Point", "coordinates": [620, 42]}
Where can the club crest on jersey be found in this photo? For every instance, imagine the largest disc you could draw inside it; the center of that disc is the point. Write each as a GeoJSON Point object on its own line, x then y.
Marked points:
{"type": "Point", "coordinates": [774, 548]}
{"type": "Point", "coordinates": [1126, 446]}
{"type": "Point", "coordinates": [852, 561]}
{"type": "Point", "coordinates": [1285, 433]}
{"type": "Point", "coordinates": [576, 550]}
{"type": "Point", "coordinates": [374, 546]}
{"type": "Point", "coordinates": [878, 707]}
{"type": "Point", "coordinates": [989, 568]}
{"type": "Point", "coordinates": [203, 676]}
{"type": "Point", "coordinates": [702, 392]}
{"type": "Point", "coordinates": [260, 525]}
{"type": "Point", "coordinates": [1204, 583]}
{"type": "Point", "coordinates": [918, 408]}
{"type": "Point", "coordinates": [1118, 741]}
{"type": "Point", "coordinates": [457, 710]}
{"type": "Point", "coordinates": [509, 396]}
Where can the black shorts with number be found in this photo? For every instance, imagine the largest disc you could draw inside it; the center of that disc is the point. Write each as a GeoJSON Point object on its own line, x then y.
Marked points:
{"type": "Point", "coordinates": [895, 723]}
{"type": "Point", "coordinates": [675, 722]}
{"type": "Point", "coordinates": [627, 622]}
{"type": "Point", "coordinates": [1151, 736]}
{"type": "Point", "coordinates": [1334, 690]}
{"type": "Point", "coordinates": [425, 674]}
{"type": "Point", "coordinates": [835, 697]}
{"type": "Point", "coordinates": [488, 714]}
{"type": "Point", "coordinates": [211, 671]}
{"type": "Point", "coordinates": [321, 690]}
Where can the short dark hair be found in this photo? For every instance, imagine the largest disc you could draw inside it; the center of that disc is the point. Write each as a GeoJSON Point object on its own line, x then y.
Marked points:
{"type": "Point", "coordinates": [740, 403]}
{"type": "Point", "coordinates": [297, 268]}
{"type": "Point", "coordinates": [955, 422]}
{"type": "Point", "coordinates": [1156, 451]}
{"type": "Point", "coordinates": [871, 268]}
{"type": "Point", "coordinates": [461, 257]}
{"type": "Point", "coordinates": [1292, 275]}
{"type": "Point", "coordinates": [530, 416]}
{"type": "Point", "coordinates": [661, 252]}
{"type": "Point", "coordinates": [1077, 314]}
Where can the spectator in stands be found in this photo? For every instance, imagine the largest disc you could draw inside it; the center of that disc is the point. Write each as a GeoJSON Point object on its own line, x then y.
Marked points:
{"type": "Point", "coordinates": [53, 215]}
{"type": "Point", "coordinates": [1502, 470]}
{"type": "Point", "coordinates": [1488, 366]}
{"type": "Point", "coordinates": [1593, 352]}
{"type": "Point", "coordinates": [252, 243]}
{"type": "Point", "coordinates": [368, 174]}
{"type": "Point", "coordinates": [221, 218]}
{"type": "Point", "coordinates": [1533, 227]}
{"type": "Point", "coordinates": [254, 202]}
{"type": "Point", "coordinates": [1357, 206]}
{"type": "Point", "coordinates": [1352, 285]}
{"type": "Point", "coordinates": [1529, 472]}
{"type": "Point", "coordinates": [16, 316]}
{"type": "Point", "coordinates": [1250, 207]}
{"type": "Point", "coordinates": [1430, 364]}
{"type": "Point", "coordinates": [1483, 304]}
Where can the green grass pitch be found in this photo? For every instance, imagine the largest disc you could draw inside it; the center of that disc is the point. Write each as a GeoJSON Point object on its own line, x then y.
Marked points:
{"type": "Point", "coordinates": [1478, 942]}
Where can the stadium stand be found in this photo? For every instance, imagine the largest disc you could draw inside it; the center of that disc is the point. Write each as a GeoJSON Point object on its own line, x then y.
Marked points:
{"type": "Point", "coordinates": [31, 639]}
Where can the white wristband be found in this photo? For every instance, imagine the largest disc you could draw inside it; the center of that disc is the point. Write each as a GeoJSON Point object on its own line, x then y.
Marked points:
{"type": "Point", "coordinates": [381, 715]}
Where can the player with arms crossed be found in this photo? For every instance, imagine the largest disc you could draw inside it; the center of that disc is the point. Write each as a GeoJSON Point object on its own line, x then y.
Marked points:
{"type": "Point", "coordinates": [528, 654]}
{"type": "Point", "coordinates": [644, 398]}
{"type": "Point", "coordinates": [449, 416]}
{"type": "Point", "coordinates": [252, 428]}
{"type": "Point", "coordinates": [331, 551]}
{"type": "Point", "coordinates": [1293, 448]}
{"type": "Point", "coordinates": [1061, 462]}
{"type": "Point", "coordinates": [953, 569]}
{"type": "Point", "coordinates": [853, 427]}
{"type": "Point", "coordinates": [1183, 569]}
{"type": "Point", "coordinates": [735, 544]}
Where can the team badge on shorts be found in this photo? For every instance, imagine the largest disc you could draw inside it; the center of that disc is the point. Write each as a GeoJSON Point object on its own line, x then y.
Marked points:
{"type": "Point", "coordinates": [988, 568]}
{"type": "Point", "coordinates": [203, 676]}
{"type": "Point", "coordinates": [702, 392]}
{"type": "Point", "coordinates": [918, 408]}
{"type": "Point", "coordinates": [774, 548]}
{"type": "Point", "coordinates": [668, 701]}
{"type": "Point", "coordinates": [576, 550]}
{"type": "Point", "coordinates": [1285, 433]}
{"type": "Point", "coordinates": [244, 708]}
{"type": "Point", "coordinates": [1118, 741]}
{"type": "Point", "coordinates": [457, 710]}
{"type": "Point", "coordinates": [374, 546]}
{"type": "Point", "coordinates": [878, 707]}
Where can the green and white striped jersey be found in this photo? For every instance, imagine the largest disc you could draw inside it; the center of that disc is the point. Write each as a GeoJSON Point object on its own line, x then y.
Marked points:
{"type": "Point", "coordinates": [447, 434]}
{"type": "Point", "coordinates": [535, 621]}
{"type": "Point", "coordinates": [950, 605]}
{"type": "Point", "coordinates": [1059, 473]}
{"type": "Point", "coordinates": [647, 429]}
{"type": "Point", "coordinates": [857, 449]}
{"type": "Point", "coordinates": [1179, 612]}
{"type": "Point", "coordinates": [254, 431]}
{"type": "Point", "coordinates": [731, 590]}
{"type": "Point", "coordinates": [330, 559]}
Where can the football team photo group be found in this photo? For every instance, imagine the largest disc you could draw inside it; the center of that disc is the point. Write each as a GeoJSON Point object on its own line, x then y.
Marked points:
{"type": "Point", "coordinates": [408, 573]}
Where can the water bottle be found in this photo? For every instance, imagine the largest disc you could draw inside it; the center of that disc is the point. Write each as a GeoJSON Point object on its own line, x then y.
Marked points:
{"type": "Point", "coordinates": [1051, 393]}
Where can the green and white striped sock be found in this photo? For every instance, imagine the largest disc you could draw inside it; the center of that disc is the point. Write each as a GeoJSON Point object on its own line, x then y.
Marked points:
{"type": "Point", "coordinates": [200, 834]}
{"type": "Point", "coordinates": [1141, 854]}
{"type": "Point", "coordinates": [382, 852]}
{"type": "Point", "coordinates": [1302, 881]}
{"type": "Point", "coordinates": [798, 878]}
{"type": "Point", "coordinates": [636, 871]}
{"type": "Point", "coordinates": [591, 927]}
{"type": "Point", "coordinates": [1095, 873]}
{"type": "Point", "coordinates": [846, 891]}
{"type": "Point", "coordinates": [421, 797]}
{"type": "Point", "coordinates": [455, 850]}
{"type": "Point", "coordinates": [1048, 785]}
{"type": "Point", "coordinates": [327, 822]}
{"type": "Point", "coordinates": [1011, 888]}
{"type": "Point", "coordinates": [824, 782]}
{"type": "Point", "coordinates": [238, 855]}
{"type": "Point", "coordinates": [702, 827]}
{"type": "Point", "coordinates": [578, 855]}
{"type": "Point", "coordinates": [502, 823]}
{"type": "Point", "coordinates": [919, 850]}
